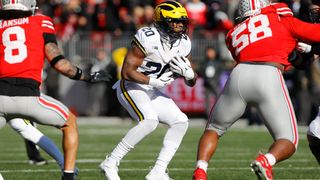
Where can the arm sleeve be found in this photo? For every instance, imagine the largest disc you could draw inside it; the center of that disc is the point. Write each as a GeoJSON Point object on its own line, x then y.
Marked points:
{"type": "Point", "coordinates": [302, 30]}
{"type": "Point", "coordinates": [47, 25]}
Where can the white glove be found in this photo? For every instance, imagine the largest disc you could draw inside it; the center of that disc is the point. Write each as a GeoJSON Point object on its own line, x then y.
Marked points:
{"type": "Point", "coordinates": [303, 47]}
{"type": "Point", "coordinates": [182, 66]}
{"type": "Point", "coordinates": [164, 80]}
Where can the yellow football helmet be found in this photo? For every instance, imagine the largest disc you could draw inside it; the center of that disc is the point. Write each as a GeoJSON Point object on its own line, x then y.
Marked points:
{"type": "Point", "coordinates": [171, 12]}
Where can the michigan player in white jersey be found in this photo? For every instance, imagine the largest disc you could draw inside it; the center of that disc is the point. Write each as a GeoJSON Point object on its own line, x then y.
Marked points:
{"type": "Point", "coordinates": [158, 54]}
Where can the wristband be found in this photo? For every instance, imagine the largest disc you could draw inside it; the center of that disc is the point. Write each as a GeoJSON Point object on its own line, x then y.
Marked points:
{"type": "Point", "coordinates": [56, 59]}
{"type": "Point", "coordinates": [78, 74]}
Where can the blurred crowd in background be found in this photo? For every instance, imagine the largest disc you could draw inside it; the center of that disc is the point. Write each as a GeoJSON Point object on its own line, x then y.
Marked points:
{"type": "Point", "coordinates": [95, 34]}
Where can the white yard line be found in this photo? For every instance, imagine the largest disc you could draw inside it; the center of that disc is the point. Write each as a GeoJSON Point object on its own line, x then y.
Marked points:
{"type": "Point", "coordinates": [147, 169]}
{"type": "Point", "coordinates": [85, 161]}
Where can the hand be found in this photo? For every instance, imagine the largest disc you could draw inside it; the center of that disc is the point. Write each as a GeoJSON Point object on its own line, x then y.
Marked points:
{"type": "Point", "coordinates": [303, 47]}
{"type": "Point", "coordinates": [99, 76]}
{"type": "Point", "coordinates": [164, 80]}
{"type": "Point", "coordinates": [182, 66]}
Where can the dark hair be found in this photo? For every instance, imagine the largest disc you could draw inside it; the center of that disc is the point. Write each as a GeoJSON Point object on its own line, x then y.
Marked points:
{"type": "Point", "coordinates": [14, 14]}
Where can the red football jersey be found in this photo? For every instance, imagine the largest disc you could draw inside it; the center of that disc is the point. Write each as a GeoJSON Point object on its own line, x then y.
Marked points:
{"type": "Point", "coordinates": [270, 35]}
{"type": "Point", "coordinates": [22, 46]}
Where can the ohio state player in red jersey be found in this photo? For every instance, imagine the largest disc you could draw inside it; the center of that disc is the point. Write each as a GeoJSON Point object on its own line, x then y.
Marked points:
{"type": "Point", "coordinates": [260, 44]}
{"type": "Point", "coordinates": [25, 41]}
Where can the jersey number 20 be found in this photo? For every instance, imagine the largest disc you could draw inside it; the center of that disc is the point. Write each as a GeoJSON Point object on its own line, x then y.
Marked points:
{"type": "Point", "coordinates": [15, 50]}
{"type": "Point", "coordinates": [258, 28]}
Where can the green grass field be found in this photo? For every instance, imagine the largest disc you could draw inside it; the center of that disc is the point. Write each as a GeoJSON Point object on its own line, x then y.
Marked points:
{"type": "Point", "coordinates": [236, 150]}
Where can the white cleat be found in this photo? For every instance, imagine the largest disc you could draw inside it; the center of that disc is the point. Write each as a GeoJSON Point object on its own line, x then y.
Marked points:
{"type": "Point", "coordinates": [110, 171]}
{"type": "Point", "coordinates": [154, 175]}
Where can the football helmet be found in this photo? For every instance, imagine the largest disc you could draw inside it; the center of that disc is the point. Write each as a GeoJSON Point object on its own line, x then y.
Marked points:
{"type": "Point", "coordinates": [251, 7]}
{"type": "Point", "coordinates": [169, 12]}
{"type": "Point", "coordinates": [22, 5]}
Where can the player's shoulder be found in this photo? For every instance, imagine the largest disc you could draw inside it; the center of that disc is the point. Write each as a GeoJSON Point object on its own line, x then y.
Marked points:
{"type": "Point", "coordinates": [41, 17]}
{"type": "Point", "coordinates": [281, 9]}
{"type": "Point", "coordinates": [147, 33]}
{"type": "Point", "coordinates": [45, 22]}
{"type": "Point", "coordinates": [185, 40]}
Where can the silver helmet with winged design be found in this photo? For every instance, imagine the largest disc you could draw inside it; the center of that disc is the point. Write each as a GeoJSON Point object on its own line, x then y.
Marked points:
{"type": "Point", "coordinates": [251, 7]}
{"type": "Point", "coordinates": [22, 5]}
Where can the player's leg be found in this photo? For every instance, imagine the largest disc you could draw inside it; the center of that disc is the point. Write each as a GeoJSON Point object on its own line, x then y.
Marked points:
{"type": "Point", "coordinates": [229, 107]}
{"type": "Point", "coordinates": [52, 112]}
{"type": "Point", "coordinates": [34, 136]}
{"type": "Point", "coordinates": [169, 113]}
{"type": "Point", "coordinates": [137, 102]}
{"type": "Point", "coordinates": [70, 145]}
{"type": "Point", "coordinates": [33, 151]}
{"type": "Point", "coordinates": [279, 117]}
{"type": "Point", "coordinates": [313, 136]}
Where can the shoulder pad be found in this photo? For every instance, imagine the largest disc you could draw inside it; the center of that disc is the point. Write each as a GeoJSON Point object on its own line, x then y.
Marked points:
{"type": "Point", "coordinates": [146, 36]}
{"type": "Point", "coordinates": [282, 9]}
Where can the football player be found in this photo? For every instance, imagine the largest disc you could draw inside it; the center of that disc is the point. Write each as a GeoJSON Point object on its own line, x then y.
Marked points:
{"type": "Point", "coordinates": [25, 41]}
{"type": "Point", "coordinates": [260, 44]}
{"type": "Point", "coordinates": [158, 54]}
{"type": "Point", "coordinates": [313, 134]}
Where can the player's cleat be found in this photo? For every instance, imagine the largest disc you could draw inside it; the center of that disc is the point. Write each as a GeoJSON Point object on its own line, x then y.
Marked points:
{"type": "Point", "coordinates": [199, 174]}
{"type": "Point", "coordinates": [68, 176]}
{"type": "Point", "coordinates": [110, 171]}
{"type": "Point", "coordinates": [155, 175]}
{"type": "Point", "coordinates": [261, 167]}
{"type": "Point", "coordinates": [37, 161]}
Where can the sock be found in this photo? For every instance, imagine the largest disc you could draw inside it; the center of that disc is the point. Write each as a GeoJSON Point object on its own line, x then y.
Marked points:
{"type": "Point", "coordinates": [271, 159]}
{"type": "Point", "coordinates": [119, 152]}
{"type": "Point", "coordinates": [202, 164]}
{"type": "Point", "coordinates": [48, 146]}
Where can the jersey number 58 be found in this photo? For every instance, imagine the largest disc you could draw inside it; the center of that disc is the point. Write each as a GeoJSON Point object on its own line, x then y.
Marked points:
{"type": "Point", "coordinates": [258, 28]}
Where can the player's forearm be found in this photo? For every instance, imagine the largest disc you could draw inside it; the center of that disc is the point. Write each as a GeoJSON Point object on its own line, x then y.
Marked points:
{"type": "Point", "coordinates": [66, 68]}
{"type": "Point", "coordinates": [135, 76]}
{"type": "Point", "coordinates": [61, 64]}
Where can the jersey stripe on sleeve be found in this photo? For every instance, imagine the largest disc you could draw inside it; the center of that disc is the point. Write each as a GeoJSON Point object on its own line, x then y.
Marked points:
{"type": "Point", "coordinates": [136, 42]}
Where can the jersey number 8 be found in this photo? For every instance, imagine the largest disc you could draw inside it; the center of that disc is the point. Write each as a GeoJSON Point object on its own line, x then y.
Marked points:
{"type": "Point", "coordinates": [258, 28]}
{"type": "Point", "coordinates": [15, 50]}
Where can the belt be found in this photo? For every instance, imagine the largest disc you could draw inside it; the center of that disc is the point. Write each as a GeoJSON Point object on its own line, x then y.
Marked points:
{"type": "Point", "coordinates": [274, 64]}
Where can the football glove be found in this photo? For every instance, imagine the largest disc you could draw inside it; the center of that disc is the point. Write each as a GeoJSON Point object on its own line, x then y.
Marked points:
{"type": "Point", "coordinates": [182, 67]}
{"type": "Point", "coordinates": [164, 80]}
{"type": "Point", "coordinates": [99, 76]}
{"type": "Point", "coordinates": [300, 60]}
{"type": "Point", "coordinates": [303, 47]}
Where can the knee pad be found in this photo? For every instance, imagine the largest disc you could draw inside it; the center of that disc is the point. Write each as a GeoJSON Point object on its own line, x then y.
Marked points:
{"type": "Point", "coordinates": [25, 129]}
{"type": "Point", "coordinates": [149, 125]}
{"type": "Point", "coordinates": [219, 131]}
{"type": "Point", "coordinates": [181, 118]}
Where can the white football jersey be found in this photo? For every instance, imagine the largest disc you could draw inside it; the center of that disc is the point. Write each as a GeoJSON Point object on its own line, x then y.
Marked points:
{"type": "Point", "coordinates": [158, 54]}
